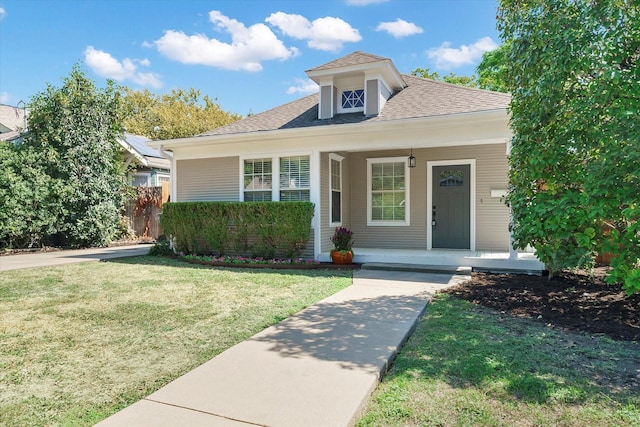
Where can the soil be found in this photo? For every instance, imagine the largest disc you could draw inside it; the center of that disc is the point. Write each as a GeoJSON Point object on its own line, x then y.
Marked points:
{"type": "Point", "coordinates": [577, 301]}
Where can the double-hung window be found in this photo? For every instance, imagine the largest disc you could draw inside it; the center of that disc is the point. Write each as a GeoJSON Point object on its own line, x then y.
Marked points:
{"type": "Point", "coordinates": [258, 180]}
{"type": "Point", "coordinates": [294, 179]}
{"type": "Point", "coordinates": [335, 196]}
{"type": "Point", "coordinates": [277, 178]}
{"type": "Point", "coordinates": [388, 191]}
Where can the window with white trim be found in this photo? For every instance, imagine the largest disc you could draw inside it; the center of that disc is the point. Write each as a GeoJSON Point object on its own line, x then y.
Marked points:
{"type": "Point", "coordinates": [388, 191]}
{"type": "Point", "coordinates": [258, 178]}
{"type": "Point", "coordinates": [335, 190]}
{"type": "Point", "coordinates": [295, 178]}
{"type": "Point", "coordinates": [351, 100]}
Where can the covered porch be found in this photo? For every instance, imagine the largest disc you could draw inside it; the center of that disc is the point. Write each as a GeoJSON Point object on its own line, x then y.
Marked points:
{"type": "Point", "coordinates": [495, 261]}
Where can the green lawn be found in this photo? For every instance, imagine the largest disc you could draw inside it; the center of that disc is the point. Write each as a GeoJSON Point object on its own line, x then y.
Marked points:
{"type": "Point", "coordinates": [79, 342]}
{"type": "Point", "coordinates": [470, 366]}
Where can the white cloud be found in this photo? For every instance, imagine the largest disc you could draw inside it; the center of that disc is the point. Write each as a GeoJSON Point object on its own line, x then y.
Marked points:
{"type": "Point", "coordinates": [305, 86]}
{"type": "Point", "coordinates": [248, 48]}
{"type": "Point", "coordinates": [3, 13]}
{"type": "Point", "coordinates": [364, 2]}
{"type": "Point", "coordinates": [105, 65]}
{"type": "Point", "coordinates": [5, 98]}
{"type": "Point", "coordinates": [328, 33]}
{"type": "Point", "coordinates": [399, 28]}
{"type": "Point", "coordinates": [447, 57]}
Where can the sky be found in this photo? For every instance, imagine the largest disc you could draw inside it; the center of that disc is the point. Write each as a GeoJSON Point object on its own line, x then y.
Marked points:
{"type": "Point", "coordinates": [250, 55]}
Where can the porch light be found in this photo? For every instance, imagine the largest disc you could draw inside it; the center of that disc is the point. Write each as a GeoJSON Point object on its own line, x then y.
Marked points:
{"type": "Point", "coordinates": [412, 160]}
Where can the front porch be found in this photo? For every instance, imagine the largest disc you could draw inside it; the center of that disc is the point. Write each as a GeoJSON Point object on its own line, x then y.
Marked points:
{"type": "Point", "coordinates": [495, 261]}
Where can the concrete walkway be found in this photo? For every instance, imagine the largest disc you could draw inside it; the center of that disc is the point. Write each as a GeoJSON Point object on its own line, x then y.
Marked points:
{"type": "Point", "coordinates": [316, 368]}
{"type": "Point", "coordinates": [43, 259]}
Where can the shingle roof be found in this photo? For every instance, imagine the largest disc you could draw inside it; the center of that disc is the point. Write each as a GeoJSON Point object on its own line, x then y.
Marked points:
{"type": "Point", "coordinates": [355, 58]}
{"type": "Point", "coordinates": [421, 98]}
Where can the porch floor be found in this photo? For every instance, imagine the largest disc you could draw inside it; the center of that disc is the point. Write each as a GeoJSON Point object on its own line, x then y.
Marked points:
{"type": "Point", "coordinates": [494, 261]}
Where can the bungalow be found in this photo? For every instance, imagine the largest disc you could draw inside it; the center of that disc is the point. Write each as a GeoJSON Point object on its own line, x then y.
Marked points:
{"type": "Point", "coordinates": [414, 167]}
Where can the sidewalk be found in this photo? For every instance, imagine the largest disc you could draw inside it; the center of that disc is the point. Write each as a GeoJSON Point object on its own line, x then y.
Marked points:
{"type": "Point", "coordinates": [42, 259]}
{"type": "Point", "coordinates": [316, 368]}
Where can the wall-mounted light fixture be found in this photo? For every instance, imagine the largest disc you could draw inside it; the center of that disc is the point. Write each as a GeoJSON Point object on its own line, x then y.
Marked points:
{"type": "Point", "coordinates": [412, 160]}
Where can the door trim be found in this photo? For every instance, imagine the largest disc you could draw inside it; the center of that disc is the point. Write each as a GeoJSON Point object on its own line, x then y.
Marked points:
{"type": "Point", "coordinates": [472, 196]}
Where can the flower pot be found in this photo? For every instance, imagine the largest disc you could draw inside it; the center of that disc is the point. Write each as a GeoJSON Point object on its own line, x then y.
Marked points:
{"type": "Point", "coordinates": [342, 257]}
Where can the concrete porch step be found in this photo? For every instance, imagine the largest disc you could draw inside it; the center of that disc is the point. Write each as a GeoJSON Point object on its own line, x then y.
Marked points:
{"type": "Point", "coordinates": [417, 268]}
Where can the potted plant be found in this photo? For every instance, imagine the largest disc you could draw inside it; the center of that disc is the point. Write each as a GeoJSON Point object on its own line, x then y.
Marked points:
{"type": "Point", "coordinates": [342, 252]}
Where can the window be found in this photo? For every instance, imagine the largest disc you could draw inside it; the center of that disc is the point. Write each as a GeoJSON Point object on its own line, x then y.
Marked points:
{"type": "Point", "coordinates": [257, 180]}
{"type": "Point", "coordinates": [294, 178]}
{"type": "Point", "coordinates": [353, 100]}
{"type": "Point", "coordinates": [335, 196]}
{"type": "Point", "coordinates": [388, 195]}
{"type": "Point", "coordinates": [451, 178]}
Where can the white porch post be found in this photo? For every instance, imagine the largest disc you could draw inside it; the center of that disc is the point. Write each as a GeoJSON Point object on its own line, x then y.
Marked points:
{"type": "Point", "coordinates": [315, 197]}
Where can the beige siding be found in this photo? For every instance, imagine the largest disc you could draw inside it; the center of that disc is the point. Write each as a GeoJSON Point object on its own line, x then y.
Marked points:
{"type": "Point", "coordinates": [492, 215]}
{"type": "Point", "coordinates": [326, 229]}
{"type": "Point", "coordinates": [208, 179]}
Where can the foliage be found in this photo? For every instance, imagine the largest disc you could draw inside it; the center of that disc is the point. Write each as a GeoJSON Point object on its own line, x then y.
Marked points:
{"type": "Point", "coordinates": [162, 248]}
{"type": "Point", "coordinates": [494, 70]}
{"type": "Point", "coordinates": [342, 239]}
{"type": "Point", "coordinates": [575, 68]}
{"type": "Point", "coordinates": [76, 126]}
{"type": "Point", "coordinates": [265, 229]}
{"type": "Point", "coordinates": [30, 199]}
{"type": "Point", "coordinates": [425, 73]}
{"type": "Point", "coordinates": [180, 114]}
{"type": "Point", "coordinates": [240, 260]}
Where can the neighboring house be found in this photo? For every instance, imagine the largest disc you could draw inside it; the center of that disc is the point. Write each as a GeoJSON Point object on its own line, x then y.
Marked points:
{"type": "Point", "coordinates": [412, 166]}
{"type": "Point", "coordinates": [13, 121]}
{"type": "Point", "coordinates": [151, 168]}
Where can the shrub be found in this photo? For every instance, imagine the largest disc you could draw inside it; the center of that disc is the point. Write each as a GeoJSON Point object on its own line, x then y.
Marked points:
{"type": "Point", "coordinates": [262, 229]}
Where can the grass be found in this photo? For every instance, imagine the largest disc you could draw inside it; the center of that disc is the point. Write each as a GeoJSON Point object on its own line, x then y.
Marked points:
{"type": "Point", "coordinates": [80, 342]}
{"type": "Point", "coordinates": [470, 366]}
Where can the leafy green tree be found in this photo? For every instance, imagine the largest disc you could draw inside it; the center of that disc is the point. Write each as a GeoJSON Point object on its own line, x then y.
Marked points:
{"type": "Point", "coordinates": [30, 202]}
{"type": "Point", "coordinates": [180, 114]}
{"type": "Point", "coordinates": [574, 163]}
{"type": "Point", "coordinates": [426, 73]}
{"type": "Point", "coordinates": [77, 126]}
{"type": "Point", "coordinates": [494, 71]}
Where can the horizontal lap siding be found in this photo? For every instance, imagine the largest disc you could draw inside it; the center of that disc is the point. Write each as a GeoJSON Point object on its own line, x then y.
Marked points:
{"type": "Point", "coordinates": [492, 216]}
{"type": "Point", "coordinates": [326, 229]}
{"type": "Point", "coordinates": [388, 237]}
{"type": "Point", "coordinates": [208, 180]}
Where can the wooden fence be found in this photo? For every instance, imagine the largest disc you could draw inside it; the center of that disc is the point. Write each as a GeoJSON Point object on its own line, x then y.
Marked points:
{"type": "Point", "coordinates": [144, 211]}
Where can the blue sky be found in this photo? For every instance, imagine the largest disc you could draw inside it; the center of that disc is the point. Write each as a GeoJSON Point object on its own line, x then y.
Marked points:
{"type": "Point", "coordinates": [249, 54]}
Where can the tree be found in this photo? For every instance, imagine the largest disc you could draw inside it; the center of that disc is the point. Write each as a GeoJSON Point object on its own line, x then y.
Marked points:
{"type": "Point", "coordinates": [30, 199]}
{"type": "Point", "coordinates": [77, 126]}
{"type": "Point", "coordinates": [180, 114]}
{"type": "Point", "coordinates": [574, 163]}
{"type": "Point", "coordinates": [425, 73]}
{"type": "Point", "coordinates": [493, 71]}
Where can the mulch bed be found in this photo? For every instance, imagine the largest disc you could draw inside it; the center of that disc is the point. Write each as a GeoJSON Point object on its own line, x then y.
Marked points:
{"type": "Point", "coordinates": [580, 301]}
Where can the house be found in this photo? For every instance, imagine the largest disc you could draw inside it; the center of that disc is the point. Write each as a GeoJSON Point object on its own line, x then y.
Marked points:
{"type": "Point", "coordinates": [13, 121]}
{"type": "Point", "coordinates": [414, 167]}
{"type": "Point", "coordinates": [151, 168]}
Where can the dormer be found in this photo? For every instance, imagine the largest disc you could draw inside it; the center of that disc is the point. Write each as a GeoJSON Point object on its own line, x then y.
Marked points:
{"type": "Point", "coordinates": [356, 83]}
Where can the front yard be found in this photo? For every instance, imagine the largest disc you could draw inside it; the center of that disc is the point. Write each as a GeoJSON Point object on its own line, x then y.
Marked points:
{"type": "Point", "coordinates": [79, 342]}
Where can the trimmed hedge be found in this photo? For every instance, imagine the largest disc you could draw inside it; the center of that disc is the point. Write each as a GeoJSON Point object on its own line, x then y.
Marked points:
{"type": "Point", "coordinates": [259, 229]}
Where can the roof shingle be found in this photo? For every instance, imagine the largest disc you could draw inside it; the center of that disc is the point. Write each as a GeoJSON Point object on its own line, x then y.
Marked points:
{"type": "Point", "coordinates": [421, 98]}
